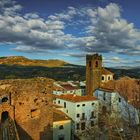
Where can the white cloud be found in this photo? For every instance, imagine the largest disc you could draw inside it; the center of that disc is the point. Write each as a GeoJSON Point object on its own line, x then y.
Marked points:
{"type": "Point", "coordinates": [112, 33]}
{"type": "Point", "coordinates": [105, 30]}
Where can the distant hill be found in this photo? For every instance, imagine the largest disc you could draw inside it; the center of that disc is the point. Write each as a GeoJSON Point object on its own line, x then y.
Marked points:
{"type": "Point", "coordinates": [23, 61]}
{"type": "Point", "coordinates": [15, 67]}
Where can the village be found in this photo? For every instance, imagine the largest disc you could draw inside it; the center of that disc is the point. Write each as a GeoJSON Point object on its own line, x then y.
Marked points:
{"type": "Point", "coordinates": [99, 108]}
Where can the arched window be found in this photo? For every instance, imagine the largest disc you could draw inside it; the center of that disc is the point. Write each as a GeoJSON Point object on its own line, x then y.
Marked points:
{"type": "Point", "coordinates": [89, 63]}
{"type": "Point", "coordinates": [96, 64]}
{"type": "Point", "coordinates": [4, 99]}
{"type": "Point", "coordinates": [103, 78]}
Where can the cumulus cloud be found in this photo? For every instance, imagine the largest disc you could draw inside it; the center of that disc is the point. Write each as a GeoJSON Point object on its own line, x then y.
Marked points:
{"type": "Point", "coordinates": [112, 33]}
{"type": "Point", "coordinates": [105, 31]}
{"type": "Point", "coordinates": [30, 32]}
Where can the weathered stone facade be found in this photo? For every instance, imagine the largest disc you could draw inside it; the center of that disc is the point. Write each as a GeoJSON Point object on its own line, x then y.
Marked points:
{"type": "Point", "coordinates": [29, 105]}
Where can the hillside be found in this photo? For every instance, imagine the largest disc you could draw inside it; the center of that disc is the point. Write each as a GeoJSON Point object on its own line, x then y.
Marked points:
{"type": "Point", "coordinates": [23, 61]}
{"type": "Point", "coordinates": [24, 68]}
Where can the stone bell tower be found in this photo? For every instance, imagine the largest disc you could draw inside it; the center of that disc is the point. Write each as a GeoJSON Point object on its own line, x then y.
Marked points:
{"type": "Point", "coordinates": [93, 72]}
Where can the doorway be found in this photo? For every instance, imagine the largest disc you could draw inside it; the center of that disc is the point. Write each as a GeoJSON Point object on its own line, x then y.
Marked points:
{"type": "Point", "coordinates": [4, 116]}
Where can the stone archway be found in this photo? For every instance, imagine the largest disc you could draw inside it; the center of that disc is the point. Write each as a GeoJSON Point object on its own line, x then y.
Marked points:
{"type": "Point", "coordinates": [4, 116]}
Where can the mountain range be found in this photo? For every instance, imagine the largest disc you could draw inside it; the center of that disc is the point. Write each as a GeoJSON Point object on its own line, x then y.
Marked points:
{"type": "Point", "coordinates": [19, 67]}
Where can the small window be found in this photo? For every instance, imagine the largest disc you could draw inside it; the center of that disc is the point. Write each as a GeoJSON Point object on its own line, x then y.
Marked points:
{"type": "Point", "coordinates": [102, 77]}
{"type": "Point", "coordinates": [67, 111]}
{"type": "Point", "coordinates": [83, 104]}
{"type": "Point", "coordinates": [83, 116]}
{"type": "Point", "coordinates": [61, 127]}
{"type": "Point", "coordinates": [78, 115]}
{"type": "Point", "coordinates": [92, 123]}
{"type": "Point", "coordinates": [59, 102]}
{"type": "Point", "coordinates": [78, 105]}
{"type": "Point", "coordinates": [108, 77]}
{"type": "Point", "coordinates": [96, 64]}
{"type": "Point", "coordinates": [64, 104]}
{"type": "Point", "coordinates": [119, 99]}
{"type": "Point", "coordinates": [92, 114]}
{"type": "Point", "coordinates": [92, 103]}
{"type": "Point", "coordinates": [83, 125]}
{"type": "Point", "coordinates": [89, 63]}
{"type": "Point", "coordinates": [77, 126]}
{"type": "Point", "coordinates": [61, 137]}
{"type": "Point", "coordinates": [136, 97]}
{"type": "Point", "coordinates": [35, 113]}
{"type": "Point", "coordinates": [104, 96]}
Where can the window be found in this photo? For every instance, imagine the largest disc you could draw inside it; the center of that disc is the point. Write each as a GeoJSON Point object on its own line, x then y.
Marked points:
{"type": "Point", "coordinates": [83, 126]}
{"type": "Point", "coordinates": [92, 104]}
{"type": "Point", "coordinates": [67, 111]}
{"type": "Point", "coordinates": [61, 137]}
{"type": "Point", "coordinates": [96, 64]}
{"type": "Point", "coordinates": [136, 97]}
{"type": "Point", "coordinates": [35, 113]}
{"type": "Point", "coordinates": [89, 63]}
{"type": "Point", "coordinates": [92, 114]}
{"type": "Point", "coordinates": [108, 77]}
{"type": "Point", "coordinates": [83, 115]}
{"type": "Point", "coordinates": [102, 77]}
{"type": "Point", "coordinates": [78, 105]}
{"type": "Point", "coordinates": [61, 127]}
{"type": "Point", "coordinates": [78, 115]}
{"type": "Point", "coordinates": [104, 98]}
{"type": "Point", "coordinates": [59, 102]}
{"type": "Point", "coordinates": [92, 123]}
{"type": "Point", "coordinates": [64, 104]}
{"type": "Point", "coordinates": [77, 126]}
{"type": "Point", "coordinates": [119, 99]}
{"type": "Point", "coordinates": [83, 104]}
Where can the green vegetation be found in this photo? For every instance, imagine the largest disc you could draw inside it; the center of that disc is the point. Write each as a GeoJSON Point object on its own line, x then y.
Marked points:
{"type": "Point", "coordinates": [67, 72]}
{"type": "Point", "coordinates": [64, 73]}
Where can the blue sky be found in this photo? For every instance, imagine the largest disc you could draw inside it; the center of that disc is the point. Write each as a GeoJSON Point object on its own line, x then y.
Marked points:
{"type": "Point", "coordinates": [70, 29]}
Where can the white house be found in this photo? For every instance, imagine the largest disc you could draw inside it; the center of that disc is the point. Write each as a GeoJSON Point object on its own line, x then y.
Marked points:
{"type": "Point", "coordinates": [83, 110]}
{"type": "Point", "coordinates": [115, 104]}
{"type": "Point", "coordinates": [67, 88]}
{"type": "Point", "coordinates": [61, 126]}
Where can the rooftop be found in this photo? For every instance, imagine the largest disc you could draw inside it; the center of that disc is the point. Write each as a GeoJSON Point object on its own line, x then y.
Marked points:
{"type": "Point", "coordinates": [59, 115]}
{"type": "Point", "coordinates": [107, 89]}
{"type": "Point", "coordinates": [69, 87]}
{"type": "Point", "coordinates": [76, 98]}
{"type": "Point", "coordinates": [106, 72]}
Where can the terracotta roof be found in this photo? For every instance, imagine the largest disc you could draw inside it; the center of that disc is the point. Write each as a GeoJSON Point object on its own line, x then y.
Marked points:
{"type": "Point", "coordinates": [55, 105]}
{"type": "Point", "coordinates": [59, 115]}
{"type": "Point", "coordinates": [106, 89]}
{"type": "Point", "coordinates": [76, 98]}
{"type": "Point", "coordinates": [69, 87]}
{"type": "Point", "coordinates": [106, 72]}
{"type": "Point", "coordinates": [57, 88]}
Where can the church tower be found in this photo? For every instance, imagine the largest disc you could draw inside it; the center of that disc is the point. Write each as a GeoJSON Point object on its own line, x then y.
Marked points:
{"type": "Point", "coordinates": [93, 73]}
